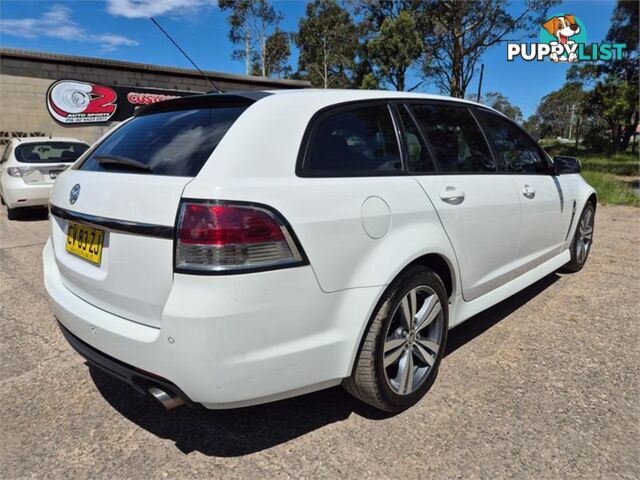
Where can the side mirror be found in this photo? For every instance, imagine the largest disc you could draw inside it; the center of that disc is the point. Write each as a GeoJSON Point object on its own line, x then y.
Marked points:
{"type": "Point", "coordinates": [566, 165]}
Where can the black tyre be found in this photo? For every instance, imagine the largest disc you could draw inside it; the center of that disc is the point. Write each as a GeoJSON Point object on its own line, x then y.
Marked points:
{"type": "Point", "coordinates": [400, 354]}
{"type": "Point", "coordinates": [582, 240]}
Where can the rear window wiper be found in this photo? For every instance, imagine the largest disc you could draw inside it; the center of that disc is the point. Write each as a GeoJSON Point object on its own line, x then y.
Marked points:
{"type": "Point", "coordinates": [118, 161]}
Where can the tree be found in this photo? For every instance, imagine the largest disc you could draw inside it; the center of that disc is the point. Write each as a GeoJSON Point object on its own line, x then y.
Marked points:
{"type": "Point", "coordinates": [251, 25]}
{"type": "Point", "coordinates": [458, 33]}
{"type": "Point", "coordinates": [612, 103]}
{"type": "Point", "coordinates": [328, 41]}
{"type": "Point", "coordinates": [501, 103]}
{"type": "Point", "coordinates": [532, 125]}
{"type": "Point", "coordinates": [559, 111]}
{"type": "Point", "coordinates": [375, 12]}
{"type": "Point", "coordinates": [277, 53]}
{"type": "Point", "coordinates": [395, 49]}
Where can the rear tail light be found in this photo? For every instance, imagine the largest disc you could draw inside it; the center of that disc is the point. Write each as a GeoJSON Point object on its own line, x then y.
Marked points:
{"type": "Point", "coordinates": [19, 171]}
{"type": "Point", "coordinates": [219, 237]}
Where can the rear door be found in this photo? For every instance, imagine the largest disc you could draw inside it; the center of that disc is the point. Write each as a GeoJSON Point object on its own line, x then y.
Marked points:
{"type": "Point", "coordinates": [477, 206]}
{"type": "Point", "coordinates": [113, 216]}
{"type": "Point", "coordinates": [545, 214]}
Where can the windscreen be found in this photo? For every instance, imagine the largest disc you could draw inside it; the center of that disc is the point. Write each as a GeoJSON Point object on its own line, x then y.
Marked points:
{"type": "Point", "coordinates": [50, 152]}
{"type": "Point", "coordinates": [173, 143]}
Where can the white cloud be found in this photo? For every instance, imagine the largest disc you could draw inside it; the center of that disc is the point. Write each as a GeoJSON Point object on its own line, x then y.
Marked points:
{"type": "Point", "coordinates": [151, 8]}
{"type": "Point", "coordinates": [57, 22]}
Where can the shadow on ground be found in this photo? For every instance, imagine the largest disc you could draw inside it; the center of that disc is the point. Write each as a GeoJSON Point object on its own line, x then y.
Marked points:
{"type": "Point", "coordinates": [229, 433]}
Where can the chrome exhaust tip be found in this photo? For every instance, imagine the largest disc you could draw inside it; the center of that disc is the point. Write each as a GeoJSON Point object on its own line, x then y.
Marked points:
{"type": "Point", "coordinates": [167, 400]}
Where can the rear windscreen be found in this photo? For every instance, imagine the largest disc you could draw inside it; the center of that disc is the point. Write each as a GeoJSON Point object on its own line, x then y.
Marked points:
{"type": "Point", "coordinates": [50, 152]}
{"type": "Point", "coordinates": [175, 143]}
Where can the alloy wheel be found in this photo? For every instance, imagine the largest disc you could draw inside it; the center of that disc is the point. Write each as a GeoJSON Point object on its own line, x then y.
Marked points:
{"type": "Point", "coordinates": [413, 340]}
{"type": "Point", "coordinates": [585, 236]}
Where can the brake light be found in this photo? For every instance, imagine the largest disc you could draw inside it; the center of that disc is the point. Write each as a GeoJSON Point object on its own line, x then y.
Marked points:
{"type": "Point", "coordinates": [19, 171]}
{"type": "Point", "coordinates": [227, 236]}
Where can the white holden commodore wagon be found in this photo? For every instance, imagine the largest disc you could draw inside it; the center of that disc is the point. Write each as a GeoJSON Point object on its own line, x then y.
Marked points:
{"type": "Point", "coordinates": [232, 249]}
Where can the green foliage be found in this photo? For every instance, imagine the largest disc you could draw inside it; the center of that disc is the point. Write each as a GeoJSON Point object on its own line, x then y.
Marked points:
{"type": "Point", "coordinates": [502, 104]}
{"type": "Point", "coordinates": [369, 82]}
{"type": "Point", "coordinates": [556, 110]}
{"type": "Point", "coordinates": [615, 102]}
{"type": "Point", "coordinates": [251, 24]}
{"type": "Point", "coordinates": [612, 175]}
{"type": "Point", "coordinates": [611, 106]}
{"type": "Point", "coordinates": [532, 125]}
{"type": "Point", "coordinates": [277, 53]}
{"type": "Point", "coordinates": [328, 41]}
{"type": "Point", "coordinates": [395, 49]}
{"type": "Point", "coordinates": [458, 33]}
{"type": "Point", "coordinates": [626, 164]}
{"type": "Point", "coordinates": [610, 189]}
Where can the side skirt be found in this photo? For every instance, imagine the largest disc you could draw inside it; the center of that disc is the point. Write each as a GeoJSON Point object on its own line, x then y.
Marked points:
{"type": "Point", "coordinates": [461, 310]}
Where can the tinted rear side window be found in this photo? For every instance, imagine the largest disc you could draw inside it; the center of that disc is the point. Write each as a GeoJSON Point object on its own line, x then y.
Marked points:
{"type": "Point", "coordinates": [50, 152]}
{"type": "Point", "coordinates": [516, 151]}
{"type": "Point", "coordinates": [176, 143]}
{"type": "Point", "coordinates": [359, 141]}
{"type": "Point", "coordinates": [419, 160]}
{"type": "Point", "coordinates": [457, 141]}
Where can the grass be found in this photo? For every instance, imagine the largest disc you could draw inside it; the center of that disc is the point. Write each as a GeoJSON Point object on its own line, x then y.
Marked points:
{"type": "Point", "coordinates": [604, 171]}
{"type": "Point", "coordinates": [610, 189]}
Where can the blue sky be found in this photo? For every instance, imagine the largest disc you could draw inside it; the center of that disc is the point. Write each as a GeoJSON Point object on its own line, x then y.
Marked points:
{"type": "Point", "coordinates": [120, 29]}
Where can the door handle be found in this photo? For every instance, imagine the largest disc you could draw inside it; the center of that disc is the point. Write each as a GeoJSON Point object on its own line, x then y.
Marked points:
{"type": "Point", "coordinates": [528, 191]}
{"type": "Point", "coordinates": [452, 195]}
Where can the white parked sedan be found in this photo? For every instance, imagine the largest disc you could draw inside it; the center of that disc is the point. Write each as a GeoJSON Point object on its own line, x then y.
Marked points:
{"type": "Point", "coordinates": [30, 165]}
{"type": "Point", "coordinates": [233, 249]}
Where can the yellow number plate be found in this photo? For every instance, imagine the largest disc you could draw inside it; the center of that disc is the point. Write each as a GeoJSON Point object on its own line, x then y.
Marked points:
{"type": "Point", "coordinates": [85, 242]}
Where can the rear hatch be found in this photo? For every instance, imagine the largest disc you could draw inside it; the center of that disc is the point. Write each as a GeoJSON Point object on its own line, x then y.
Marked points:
{"type": "Point", "coordinates": [125, 196]}
{"type": "Point", "coordinates": [42, 162]}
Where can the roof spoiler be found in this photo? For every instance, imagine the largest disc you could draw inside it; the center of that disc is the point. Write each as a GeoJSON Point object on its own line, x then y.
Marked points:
{"type": "Point", "coordinates": [209, 100]}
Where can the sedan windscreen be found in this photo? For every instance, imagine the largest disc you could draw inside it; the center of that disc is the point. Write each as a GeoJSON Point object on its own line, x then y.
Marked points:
{"type": "Point", "coordinates": [174, 143]}
{"type": "Point", "coordinates": [50, 152]}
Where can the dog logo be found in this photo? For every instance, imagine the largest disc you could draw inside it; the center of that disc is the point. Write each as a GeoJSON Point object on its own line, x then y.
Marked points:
{"type": "Point", "coordinates": [71, 101]}
{"type": "Point", "coordinates": [566, 32]}
{"type": "Point", "coordinates": [74, 194]}
{"type": "Point", "coordinates": [563, 38]}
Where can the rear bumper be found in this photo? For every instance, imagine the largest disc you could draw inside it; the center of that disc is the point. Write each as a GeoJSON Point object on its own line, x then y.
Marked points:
{"type": "Point", "coordinates": [138, 379]}
{"type": "Point", "coordinates": [228, 341]}
{"type": "Point", "coordinates": [16, 193]}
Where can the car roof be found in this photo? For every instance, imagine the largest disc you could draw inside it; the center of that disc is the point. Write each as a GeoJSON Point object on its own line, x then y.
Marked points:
{"type": "Point", "coordinates": [328, 97]}
{"type": "Point", "coordinates": [338, 95]}
{"type": "Point", "coordinates": [23, 140]}
{"type": "Point", "coordinates": [319, 98]}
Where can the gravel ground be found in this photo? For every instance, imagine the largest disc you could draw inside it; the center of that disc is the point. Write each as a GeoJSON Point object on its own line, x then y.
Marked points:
{"type": "Point", "coordinates": [544, 385]}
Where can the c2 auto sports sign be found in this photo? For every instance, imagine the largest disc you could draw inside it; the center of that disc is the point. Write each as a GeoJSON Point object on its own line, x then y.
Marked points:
{"type": "Point", "coordinates": [73, 102]}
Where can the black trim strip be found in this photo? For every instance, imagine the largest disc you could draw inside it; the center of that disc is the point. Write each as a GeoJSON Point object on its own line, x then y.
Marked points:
{"type": "Point", "coordinates": [573, 214]}
{"type": "Point", "coordinates": [210, 100]}
{"type": "Point", "coordinates": [138, 379]}
{"type": "Point", "coordinates": [124, 226]}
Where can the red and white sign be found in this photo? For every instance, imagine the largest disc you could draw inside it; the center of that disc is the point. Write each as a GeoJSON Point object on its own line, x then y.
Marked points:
{"type": "Point", "coordinates": [141, 98]}
{"type": "Point", "coordinates": [71, 101]}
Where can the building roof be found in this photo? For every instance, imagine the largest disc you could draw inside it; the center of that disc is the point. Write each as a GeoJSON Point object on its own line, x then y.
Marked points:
{"type": "Point", "coordinates": [145, 67]}
{"type": "Point", "coordinates": [23, 140]}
